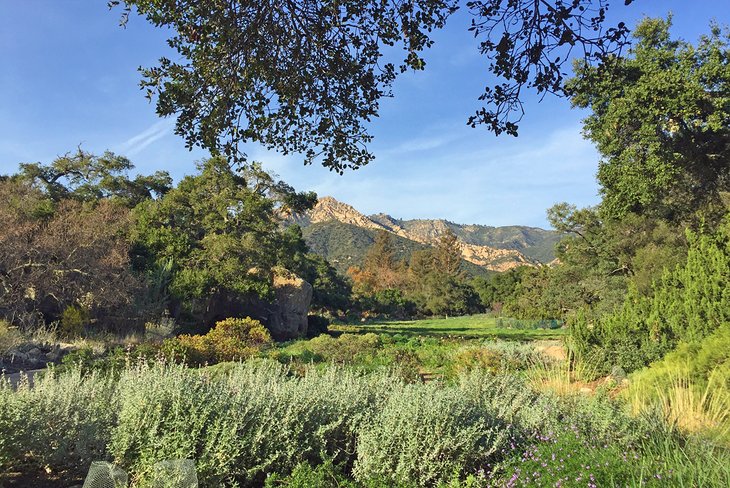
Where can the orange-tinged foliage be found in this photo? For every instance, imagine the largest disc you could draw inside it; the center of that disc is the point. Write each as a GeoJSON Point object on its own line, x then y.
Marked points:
{"type": "Point", "coordinates": [232, 339]}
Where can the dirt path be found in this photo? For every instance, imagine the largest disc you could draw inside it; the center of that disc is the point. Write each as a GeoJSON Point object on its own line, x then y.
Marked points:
{"type": "Point", "coordinates": [14, 378]}
{"type": "Point", "coordinates": [553, 349]}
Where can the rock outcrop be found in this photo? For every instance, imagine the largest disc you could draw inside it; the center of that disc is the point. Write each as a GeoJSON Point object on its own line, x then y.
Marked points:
{"type": "Point", "coordinates": [31, 355]}
{"type": "Point", "coordinates": [287, 318]}
{"type": "Point", "coordinates": [425, 232]}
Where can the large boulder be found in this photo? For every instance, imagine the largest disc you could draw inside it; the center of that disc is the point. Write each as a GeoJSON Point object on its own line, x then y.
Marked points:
{"type": "Point", "coordinates": [285, 316]}
{"type": "Point", "coordinates": [288, 314]}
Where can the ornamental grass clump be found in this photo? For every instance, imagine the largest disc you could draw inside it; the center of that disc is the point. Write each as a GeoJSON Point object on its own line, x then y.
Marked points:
{"type": "Point", "coordinates": [690, 387]}
{"type": "Point", "coordinates": [693, 408]}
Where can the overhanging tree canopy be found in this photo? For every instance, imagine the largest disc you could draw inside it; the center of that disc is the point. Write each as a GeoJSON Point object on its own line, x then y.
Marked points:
{"type": "Point", "coordinates": [306, 76]}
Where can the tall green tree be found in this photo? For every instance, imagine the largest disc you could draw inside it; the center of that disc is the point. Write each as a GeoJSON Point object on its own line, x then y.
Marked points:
{"type": "Point", "coordinates": [448, 256]}
{"type": "Point", "coordinates": [498, 288]}
{"type": "Point", "coordinates": [602, 254]}
{"type": "Point", "coordinates": [437, 281]}
{"type": "Point", "coordinates": [661, 121]}
{"type": "Point", "coordinates": [220, 230]}
{"type": "Point", "coordinates": [688, 304]}
{"type": "Point", "coordinates": [660, 117]}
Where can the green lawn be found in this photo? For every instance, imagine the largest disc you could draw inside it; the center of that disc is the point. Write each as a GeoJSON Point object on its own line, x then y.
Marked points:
{"type": "Point", "coordinates": [471, 326]}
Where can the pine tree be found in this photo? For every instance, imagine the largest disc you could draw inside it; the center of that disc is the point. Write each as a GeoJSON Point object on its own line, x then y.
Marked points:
{"type": "Point", "coordinates": [448, 255]}
{"type": "Point", "coordinates": [689, 303]}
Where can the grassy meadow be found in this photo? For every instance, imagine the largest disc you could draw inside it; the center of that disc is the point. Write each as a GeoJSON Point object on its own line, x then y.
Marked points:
{"type": "Point", "coordinates": [466, 327]}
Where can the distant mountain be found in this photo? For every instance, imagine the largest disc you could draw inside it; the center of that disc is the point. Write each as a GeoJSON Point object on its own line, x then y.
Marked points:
{"type": "Point", "coordinates": [340, 233]}
{"type": "Point", "coordinates": [345, 245]}
{"type": "Point", "coordinates": [534, 243]}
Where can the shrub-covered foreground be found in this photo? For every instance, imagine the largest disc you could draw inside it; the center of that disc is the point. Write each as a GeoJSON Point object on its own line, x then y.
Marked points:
{"type": "Point", "coordinates": [255, 423]}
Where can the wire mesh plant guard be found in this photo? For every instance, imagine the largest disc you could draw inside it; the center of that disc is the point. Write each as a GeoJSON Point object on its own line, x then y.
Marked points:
{"type": "Point", "coordinates": [105, 475]}
{"type": "Point", "coordinates": [174, 473]}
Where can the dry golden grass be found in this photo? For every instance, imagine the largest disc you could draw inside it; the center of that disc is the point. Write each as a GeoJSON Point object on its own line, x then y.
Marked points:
{"type": "Point", "coordinates": [562, 377]}
{"type": "Point", "coordinates": [690, 408]}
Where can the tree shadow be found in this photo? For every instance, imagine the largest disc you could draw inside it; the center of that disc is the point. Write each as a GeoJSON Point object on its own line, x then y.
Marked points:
{"type": "Point", "coordinates": [458, 332]}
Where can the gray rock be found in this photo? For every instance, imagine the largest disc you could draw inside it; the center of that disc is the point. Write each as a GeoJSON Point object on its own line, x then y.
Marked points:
{"type": "Point", "coordinates": [288, 315]}
{"type": "Point", "coordinates": [36, 363]}
{"type": "Point", "coordinates": [35, 353]}
{"type": "Point", "coordinates": [618, 374]}
{"type": "Point", "coordinates": [53, 356]}
{"type": "Point", "coordinates": [16, 356]}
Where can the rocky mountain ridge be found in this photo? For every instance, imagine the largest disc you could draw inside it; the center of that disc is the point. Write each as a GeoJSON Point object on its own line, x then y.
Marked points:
{"type": "Point", "coordinates": [493, 248]}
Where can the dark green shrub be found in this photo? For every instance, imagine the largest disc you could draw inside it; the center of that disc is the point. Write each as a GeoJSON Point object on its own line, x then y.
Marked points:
{"type": "Point", "coordinates": [687, 304]}
{"type": "Point", "coordinates": [392, 302]}
{"type": "Point", "coordinates": [74, 320]}
{"type": "Point", "coordinates": [317, 325]}
{"type": "Point", "coordinates": [83, 358]}
{"type": "Point", "coordinates": [325, 475]}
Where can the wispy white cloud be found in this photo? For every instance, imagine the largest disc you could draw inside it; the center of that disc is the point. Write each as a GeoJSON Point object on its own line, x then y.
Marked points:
{"type": "Point", "coordinates": [136, 144]}
{"type": "Point", "coordinates": [460, 177]}
{"type": "Point", "coordinates": [426, 143]}
{"type": "Point", "coordinates": [478, 181]}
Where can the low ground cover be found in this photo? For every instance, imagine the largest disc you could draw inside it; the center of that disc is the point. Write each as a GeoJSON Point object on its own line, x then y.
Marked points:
{"type": "Point", "coordinates": [470, 326]}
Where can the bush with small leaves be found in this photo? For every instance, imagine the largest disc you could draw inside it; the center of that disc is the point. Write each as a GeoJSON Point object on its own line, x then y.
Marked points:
{"type": "Point", "coordinates": [188, 349]}
{"type": "Point", "coordinates": [424, 434]}
{"type": "Point", "coordinates": [63, 421]}
{"type": "Point", "coordinates": [236, 339]}
{"type": "Point", "coordinates": [74, 320]}
{"type": "Point", "coordinates": [250, 420]}
{"type": "Point", "coordinates": [325, 475]}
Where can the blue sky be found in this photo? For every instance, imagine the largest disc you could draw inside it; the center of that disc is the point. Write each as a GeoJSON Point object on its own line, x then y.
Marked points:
{"type": "Point", "coordinates": [68, 77]}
